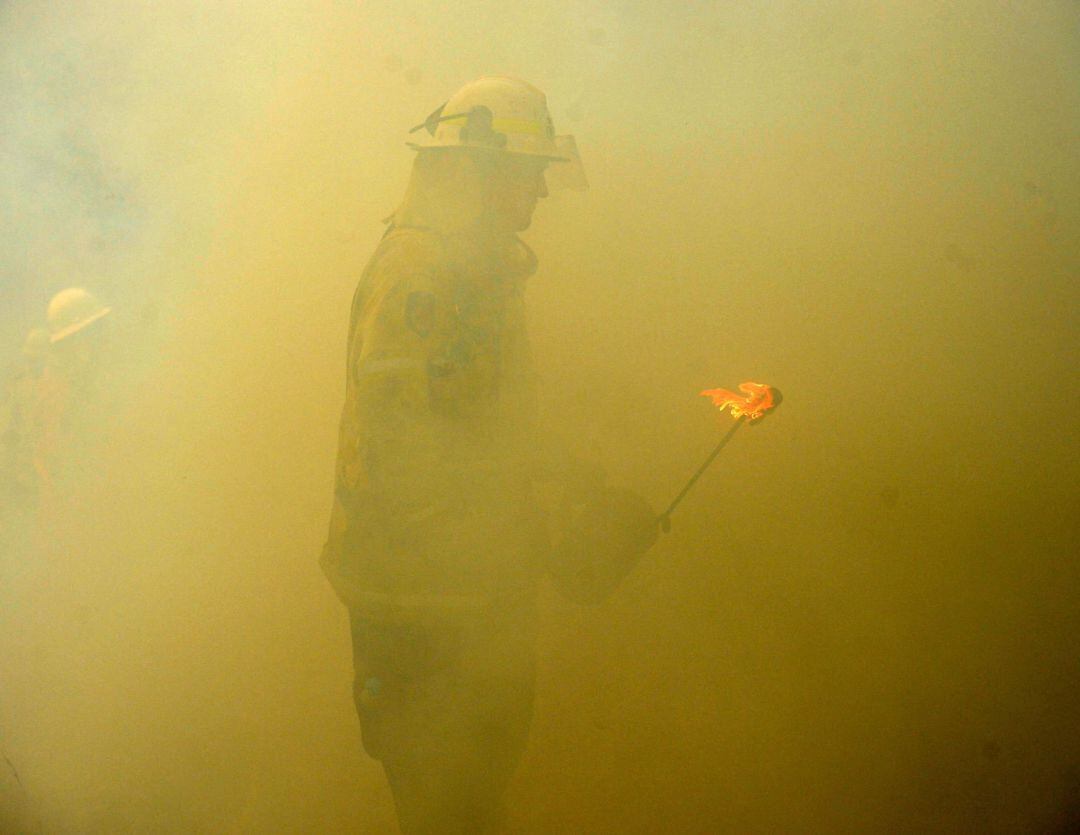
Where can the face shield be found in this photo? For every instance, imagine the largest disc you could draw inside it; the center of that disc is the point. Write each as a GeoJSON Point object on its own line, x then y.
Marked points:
{"type": "Point", "coordinates": [567, 174]}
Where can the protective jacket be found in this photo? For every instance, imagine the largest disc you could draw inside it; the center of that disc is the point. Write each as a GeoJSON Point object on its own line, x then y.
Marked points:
{"type": "Point", "coordinates": [432, 510]}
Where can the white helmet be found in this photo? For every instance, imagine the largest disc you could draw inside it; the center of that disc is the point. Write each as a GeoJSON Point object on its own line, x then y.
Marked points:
{"type": "Point", "coordinates": [495, 113]}
{"type": "Point", "coordinates": [72, 310]}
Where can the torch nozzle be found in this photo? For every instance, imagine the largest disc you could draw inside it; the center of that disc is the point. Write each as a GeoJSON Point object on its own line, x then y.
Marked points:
{"type": "Point", "coordinates": [756, 400]}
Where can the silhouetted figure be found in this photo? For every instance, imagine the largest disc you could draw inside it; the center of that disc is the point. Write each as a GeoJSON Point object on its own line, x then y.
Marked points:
{"type": "Point", "coordinates": [436, 543]}
{"type": "Point", "coordinates": [71, 414]}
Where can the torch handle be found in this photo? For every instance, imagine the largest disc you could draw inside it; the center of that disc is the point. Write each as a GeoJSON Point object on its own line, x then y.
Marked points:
{"type": "Point", "coordinates": [665, 518]}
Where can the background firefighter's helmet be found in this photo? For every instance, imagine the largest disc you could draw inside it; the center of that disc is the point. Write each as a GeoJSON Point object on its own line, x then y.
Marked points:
{"type": "Point", "coordinates": [495, 113]}
{"type": "Point", "coordinates": [604, 541]}
{"type": "Point", "coordinates": [72, 310]}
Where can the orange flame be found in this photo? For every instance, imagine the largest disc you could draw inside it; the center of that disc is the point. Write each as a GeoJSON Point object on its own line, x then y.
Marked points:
{"type": "Point", "coordinates": [756, 400]}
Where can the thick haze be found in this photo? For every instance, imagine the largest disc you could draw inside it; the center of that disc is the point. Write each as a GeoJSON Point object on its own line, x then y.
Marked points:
{"type": "Point", "coordinates": [865, 617]}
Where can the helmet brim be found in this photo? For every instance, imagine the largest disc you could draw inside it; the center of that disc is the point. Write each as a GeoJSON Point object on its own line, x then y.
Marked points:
{"type": "Point", "coordinates": [70, 330]}
{"type": "Point", "coordinates": [436, 146]}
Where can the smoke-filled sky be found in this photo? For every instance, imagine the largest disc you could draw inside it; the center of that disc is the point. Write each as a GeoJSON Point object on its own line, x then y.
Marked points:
{"type": "Point", "coordinates": [864, 617]}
